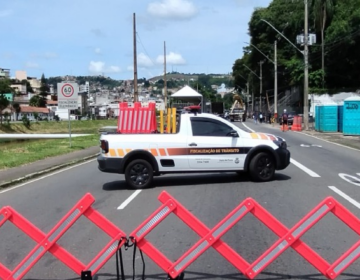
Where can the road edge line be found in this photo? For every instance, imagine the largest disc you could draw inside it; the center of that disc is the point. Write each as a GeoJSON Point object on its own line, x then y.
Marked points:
{"type": "Point", "coordinates": [45, 171]}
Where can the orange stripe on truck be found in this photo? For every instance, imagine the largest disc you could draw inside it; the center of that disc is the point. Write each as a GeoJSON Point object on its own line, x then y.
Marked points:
{"type": "Point", "coordinates": [177, 151]}
{"type": "Point", "coordinates": [154, 152]}
{"type": "Point", "coordinates": [263, 136]}
{"type": "Point", "coordinates": [112, 152]}
{"type": "Point", "coordinates": [254, 136]}
{"type": "Point", "coordinates": [162, 152]}
{"type": "Point", "coordinates": [120, 152]}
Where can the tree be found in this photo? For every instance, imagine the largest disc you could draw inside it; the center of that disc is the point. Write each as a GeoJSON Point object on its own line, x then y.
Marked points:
{"type": "Point", "coordinates": [35, 101]}
{"type": "Point", "coordinates": [17, 108]}
{"type": "Point", "coordinates": [4, 102]}
{"type": "Point", "coordinates": [323, 12]}
{"type": "Point", "coordinates": [28, 86]}
{"type": "Point", "coordinates": [44, 90]}
{"type": "Point", "coordinates": [339, 49]}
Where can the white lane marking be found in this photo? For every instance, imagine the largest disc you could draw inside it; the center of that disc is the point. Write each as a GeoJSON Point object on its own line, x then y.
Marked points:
{"type": "Point", "coordinates": [319, 146]}
{"type": "Point", "coordinates": [128, 200]}
{"type": "Point", "coordinates": [344, 195]}
{"type": "Point", "coordinates": [327, 141]}
{"type": "Point", "coordinates": [304, 168]}
{"type": "Point", "coordinates": [306, 146]}
{"type": "Point", "coordinates": [351, 179]}
{"type": "Point", "coordinates": [46, 176]}
{"type": "Point", "coordinates": [248, 127]}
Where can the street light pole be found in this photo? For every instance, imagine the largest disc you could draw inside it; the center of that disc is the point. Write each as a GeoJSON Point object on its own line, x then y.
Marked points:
{"type": "Point", "coordinates": [306, 70]}
{"type": "Point", "coordinates": [260, 85]}
{"type": "Point", "coordinates": [305, 53]}
{"type": "Point", "coordinates": [275, 80]}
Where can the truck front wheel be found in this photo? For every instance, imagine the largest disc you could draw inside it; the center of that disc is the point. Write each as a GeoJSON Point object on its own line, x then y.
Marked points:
{"type": "Point", "coordinates": [262, 167]}
{"type": "Point", "coordinates": [139, 174]}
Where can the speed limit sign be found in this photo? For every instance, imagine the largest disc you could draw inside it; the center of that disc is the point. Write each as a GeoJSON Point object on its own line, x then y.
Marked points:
{"type": "Point", "coordinates": [68, 95]}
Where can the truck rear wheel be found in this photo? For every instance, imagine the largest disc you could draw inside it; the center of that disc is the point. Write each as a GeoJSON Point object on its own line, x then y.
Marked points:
{"type": "Point", "coordinates": [139, 174]}
{"type": "Point", "coordinates": [262, 167]}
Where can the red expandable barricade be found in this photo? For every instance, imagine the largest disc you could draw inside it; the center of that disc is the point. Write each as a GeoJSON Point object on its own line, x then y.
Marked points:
{"type": "Point", "coordinates": [212, 238]}
{"type": "Point", "coordinates": [48, 242]}
{"type": "Point", "coordinates": [208, 238]}
{"type": "Point", "coordinates": [137, 119]}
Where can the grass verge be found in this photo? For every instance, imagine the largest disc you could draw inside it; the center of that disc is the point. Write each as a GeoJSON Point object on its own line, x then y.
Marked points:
{"type": "Point", "coordinates": [17, 153]}
{"type": "Point", "coordinates": [90, 126]}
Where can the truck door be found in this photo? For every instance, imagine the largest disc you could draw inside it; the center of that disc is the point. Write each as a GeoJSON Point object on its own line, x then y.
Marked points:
{"type": "Point", "coordinates": [212, 146]}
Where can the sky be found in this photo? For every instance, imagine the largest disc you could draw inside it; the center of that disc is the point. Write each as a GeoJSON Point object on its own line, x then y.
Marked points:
{"type": "Point", "coordinates": [95, 37]}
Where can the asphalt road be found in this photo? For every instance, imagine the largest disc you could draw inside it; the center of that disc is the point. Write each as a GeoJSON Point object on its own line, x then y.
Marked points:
{"type": "Point", "coordinates": [210, 197]}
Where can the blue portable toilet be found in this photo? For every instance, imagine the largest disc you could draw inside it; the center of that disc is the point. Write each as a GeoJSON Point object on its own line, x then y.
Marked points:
{"type": "Point", "coordinates": [340, 117]}
{"type": "Point", "coordinates": [351, 125]}
{"type": "Point", "coordinates": [326, 119]}
{"type": "Point", "coordinates": [317, 118]}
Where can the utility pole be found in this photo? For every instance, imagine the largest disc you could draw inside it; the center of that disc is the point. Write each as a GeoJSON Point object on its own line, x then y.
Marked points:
{"type": "Point", "coordinates": [306, 71]}
{"type": "Point", "coordinates": [275, 80]}
{"type": "Point", "coordinates": [136, 98]}
{"type": "Point", "coordinates": [275, 72]}
{"type": "Point", "coordinates": [165, 85]}
{"type": "Point", "coordinates": [252, 96]}
{"type": "Point", "coordinates": [247, 97]}
{"type": "Point", "coordinates": [261, 63]}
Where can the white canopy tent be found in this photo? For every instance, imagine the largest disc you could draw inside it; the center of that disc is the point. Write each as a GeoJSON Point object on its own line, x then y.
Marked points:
{"type": "Point", "coordinates": [190, 95]}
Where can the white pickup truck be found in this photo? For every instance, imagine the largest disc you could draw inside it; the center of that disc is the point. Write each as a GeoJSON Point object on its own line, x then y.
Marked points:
{"type": "Point", "coordinates": [203, 143]}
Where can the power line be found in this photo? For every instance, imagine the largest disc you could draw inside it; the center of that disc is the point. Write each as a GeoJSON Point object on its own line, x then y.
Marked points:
{"type": "Point", "coordinates": [138, 36]}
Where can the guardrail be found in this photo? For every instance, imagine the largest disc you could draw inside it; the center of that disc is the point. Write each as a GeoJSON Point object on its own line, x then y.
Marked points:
{"type": "Point", "coordinates": [208, 238]}
{"type": "Point", "coordinates": [39, 136]}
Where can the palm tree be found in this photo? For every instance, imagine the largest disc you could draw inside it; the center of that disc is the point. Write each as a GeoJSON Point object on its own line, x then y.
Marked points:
{"type": "Point", "coordinates": [323, 11]}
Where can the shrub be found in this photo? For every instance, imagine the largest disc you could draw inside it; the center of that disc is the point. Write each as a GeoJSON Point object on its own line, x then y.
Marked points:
{"type": "Point", "coordinates": [26, 121]}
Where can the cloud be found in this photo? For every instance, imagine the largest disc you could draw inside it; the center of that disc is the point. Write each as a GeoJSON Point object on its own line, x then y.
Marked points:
{"type": "Point", "coordinates": [5, 13]}
{"type": "Point", "coordinates": [30, 64]}
{"type": "Point", "coordinates": [173, 9]}
{"type": "Point", "coordinates": [99, 67]}
{"type": "Point", "coordinates": [144, 61]}
{"type": "Point", "coordinates": [113, 69]}
{"type": "Point", "coordinates": [130, 68]}
{"type": "Point", "coordinates": [171, 58]}
{"type": "Point", "coordinates": [98, 33]}
{"type": "Point", "coordinates": [97, 51]}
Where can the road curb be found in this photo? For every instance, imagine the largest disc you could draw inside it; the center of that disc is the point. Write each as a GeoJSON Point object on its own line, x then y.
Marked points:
{"type": "Point", "coordinates": [45, 171]}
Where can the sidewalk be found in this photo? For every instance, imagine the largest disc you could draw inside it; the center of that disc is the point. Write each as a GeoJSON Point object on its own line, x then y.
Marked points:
{"type": "Point", "coordinates": [18, 174]}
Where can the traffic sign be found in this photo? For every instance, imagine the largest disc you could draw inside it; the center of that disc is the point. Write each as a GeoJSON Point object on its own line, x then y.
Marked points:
{"type": "Point", "coordinates": [68, 95]}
